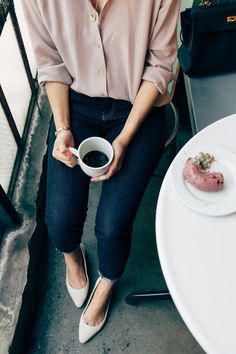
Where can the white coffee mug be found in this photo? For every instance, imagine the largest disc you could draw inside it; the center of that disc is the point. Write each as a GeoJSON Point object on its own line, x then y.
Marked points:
{"type": "Point", "coordinates": [94, 143]}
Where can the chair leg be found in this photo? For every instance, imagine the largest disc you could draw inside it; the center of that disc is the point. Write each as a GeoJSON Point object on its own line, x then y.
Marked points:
{"type": "Point", "coordinates": [173, 149]}
{"type": "Point", "coordinates": [134, 298]}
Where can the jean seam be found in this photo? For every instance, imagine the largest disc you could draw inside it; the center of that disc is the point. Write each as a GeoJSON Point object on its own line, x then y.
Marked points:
{"type": "Point", "coordinates": [111, 113]}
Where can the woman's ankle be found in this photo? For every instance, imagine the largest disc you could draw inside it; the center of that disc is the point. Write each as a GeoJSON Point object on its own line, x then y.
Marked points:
{"type": "Point", "coordinates": [76, 269]}
{"type": "Point", "coordinates": [95, 312]}
{"type": "Point", "coordinates": [105, 286]}
{"type": "Point", "coordinates": [74, 258]}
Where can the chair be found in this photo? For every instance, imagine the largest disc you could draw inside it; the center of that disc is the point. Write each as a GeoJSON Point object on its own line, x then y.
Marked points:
{"type": "Point", "coordinates": [170, 146]}
{"type": "Point", "coordinates": [172, 129]}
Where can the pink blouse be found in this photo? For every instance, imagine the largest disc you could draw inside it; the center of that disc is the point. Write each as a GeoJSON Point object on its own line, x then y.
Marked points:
{"type": "Point", "coordinates": [106, 54]}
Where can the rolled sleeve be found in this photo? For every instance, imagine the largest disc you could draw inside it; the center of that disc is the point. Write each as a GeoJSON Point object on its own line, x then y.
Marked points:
{"type": "Point", "coordinates": [48, 60]}
{"type": "Point", "coordinates": [56, 72]}
{"type": "Point", "coordinates": [162, 51]}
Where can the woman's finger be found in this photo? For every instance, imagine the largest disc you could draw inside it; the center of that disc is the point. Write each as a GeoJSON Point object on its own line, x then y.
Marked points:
{"type": "Point", "coordinates": [69, 154]}
{"type": "Point", "coordinates": [112, 170]}
{"type": "Point", "coordinates": [69, 164]}
{"type": "Point", "coordinates": [99, 178]}
{"type": "Point", "coordinates": [58, 155]}
{"type": "Point", "coordinates": [70, 161]}
{"type": "Point", "coordinates": [65, 156]}
{"type": "Point", "coordinates": [115, 166]}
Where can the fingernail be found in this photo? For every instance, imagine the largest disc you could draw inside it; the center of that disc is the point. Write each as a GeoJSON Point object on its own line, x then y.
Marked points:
{"type": "Point", "coordinates": [69, 153]}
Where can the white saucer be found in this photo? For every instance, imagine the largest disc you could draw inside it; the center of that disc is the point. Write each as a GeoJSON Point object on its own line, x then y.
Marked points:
{"type": "Point", "coordinates": [210, 203]}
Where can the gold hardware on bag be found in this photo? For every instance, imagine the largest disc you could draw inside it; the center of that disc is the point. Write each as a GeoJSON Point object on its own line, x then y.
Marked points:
{"type": "Point", "coordinates": [205, 3]}
{"type": "Point", "coordinates": [231, 19]}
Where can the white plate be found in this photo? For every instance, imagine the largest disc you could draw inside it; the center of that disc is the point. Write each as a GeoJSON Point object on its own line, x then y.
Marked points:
{"type": "Point", "coordinates": [211, 203]}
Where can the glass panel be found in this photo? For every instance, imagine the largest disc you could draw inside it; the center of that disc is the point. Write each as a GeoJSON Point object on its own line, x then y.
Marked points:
{"type": "Point", "coordinates": [186, 3]}
{"type": "Point", "coordinates": [14, 80]}
{"type": "Point", "coordinates": [7, 152]}
{"type": "Point", "coordinates": [25, 35]}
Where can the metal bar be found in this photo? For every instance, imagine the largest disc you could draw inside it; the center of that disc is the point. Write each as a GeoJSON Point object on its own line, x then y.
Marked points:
{"type": "Point", "coordinates": [190, 104]}
{"type": "Point", "coordinates": [9, 117]}
{"type": "Point", "coordinates": [11, 216]}
{"type": "Point", "coordinates": [4, 9]}
{"type": "Point", "coordinates": [134, 298]}
{"type": "Point", "coordinates": [20, 42]}
{"type": "Point", "coordinates": [2, 17]}
{"type": "Point", "coordinates": [6, 3]}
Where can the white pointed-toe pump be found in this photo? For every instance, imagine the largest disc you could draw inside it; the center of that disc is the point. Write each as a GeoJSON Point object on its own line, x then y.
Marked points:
{"type": "Point", "coordinates": [79, 295]}
{"type": "Point", "coordinates": [86, 332]}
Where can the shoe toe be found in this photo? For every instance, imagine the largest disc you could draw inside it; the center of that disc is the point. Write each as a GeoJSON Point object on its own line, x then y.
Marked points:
{"type": "Point", "coordinates": [86, 332]}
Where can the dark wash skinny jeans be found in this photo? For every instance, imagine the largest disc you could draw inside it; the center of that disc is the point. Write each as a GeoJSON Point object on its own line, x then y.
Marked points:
{"type": "Point", "coordinates": [67, 188]}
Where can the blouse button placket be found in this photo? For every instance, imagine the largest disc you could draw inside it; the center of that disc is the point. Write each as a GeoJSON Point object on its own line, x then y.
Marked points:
{"type": "Point", "coordinates": [101, 68]}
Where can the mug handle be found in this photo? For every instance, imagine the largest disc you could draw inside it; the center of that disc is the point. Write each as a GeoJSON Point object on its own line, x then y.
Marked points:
{"type": "Point", "coordinates": [74, 151]}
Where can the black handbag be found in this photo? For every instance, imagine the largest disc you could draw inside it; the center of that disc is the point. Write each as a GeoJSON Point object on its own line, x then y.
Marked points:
{"type": "Point", "coordinates": [208, 39]}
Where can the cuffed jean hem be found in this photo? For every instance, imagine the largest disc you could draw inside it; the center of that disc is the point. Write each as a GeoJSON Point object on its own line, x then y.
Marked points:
{"type": "Point", "coordinates": [68, 252]}
{"type": "Point", "coordinates": [113, 281]}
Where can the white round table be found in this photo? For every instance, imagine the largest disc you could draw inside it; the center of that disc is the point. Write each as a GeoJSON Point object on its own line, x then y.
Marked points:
{"type": "Point", "coordinates": [198, 255]}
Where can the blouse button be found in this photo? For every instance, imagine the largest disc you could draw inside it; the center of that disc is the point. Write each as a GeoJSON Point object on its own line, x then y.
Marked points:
{"type": "Point", "coordinates": [93, 17]}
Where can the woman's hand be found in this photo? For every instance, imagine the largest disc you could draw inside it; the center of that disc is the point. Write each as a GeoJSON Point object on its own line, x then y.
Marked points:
{"type": "Point", "coordinates": [119, 151]}
{"type": "Point", "coordinates": [61, 152]}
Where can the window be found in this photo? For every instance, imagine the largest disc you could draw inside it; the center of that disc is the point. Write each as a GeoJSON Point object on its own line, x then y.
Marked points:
{"type": "Point", "coordinates": [18, 93]}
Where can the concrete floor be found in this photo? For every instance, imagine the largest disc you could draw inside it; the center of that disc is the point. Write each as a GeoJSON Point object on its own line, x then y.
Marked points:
{"type": "Point", "coordinates": [147, 328]}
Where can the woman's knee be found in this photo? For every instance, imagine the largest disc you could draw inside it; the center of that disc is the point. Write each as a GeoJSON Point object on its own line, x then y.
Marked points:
{"type": "Point", "coordinates": [57, 225]}
{"type": "Point", "coordinates": [64, 230]}
{"type": "Point", "coordinates": [111, 230]}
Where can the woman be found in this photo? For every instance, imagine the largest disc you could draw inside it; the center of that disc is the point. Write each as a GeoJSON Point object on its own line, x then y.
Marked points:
{"type": "Point", "coordinates": [105, 65]}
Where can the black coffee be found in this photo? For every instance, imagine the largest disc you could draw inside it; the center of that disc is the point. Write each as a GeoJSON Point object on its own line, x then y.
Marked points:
{"type": "Point", "coordinates": [95, 159]}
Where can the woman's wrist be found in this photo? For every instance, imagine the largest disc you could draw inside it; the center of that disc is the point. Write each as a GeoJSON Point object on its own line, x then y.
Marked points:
{"type": "Point", "coordinates": [129, 130]}
{"type": "Point", "coordinates": [63, 134]}
{"type": "Point", "coordinates": [61, 129]}
{"type": "Point", "coordinates": [124, 139]}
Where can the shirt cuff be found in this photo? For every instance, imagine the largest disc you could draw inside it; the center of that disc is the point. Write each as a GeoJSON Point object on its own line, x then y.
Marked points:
{"type": "Point", "coordinates": [159, 76]}
{"type": "Point", "coordinates": [58, 73]}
